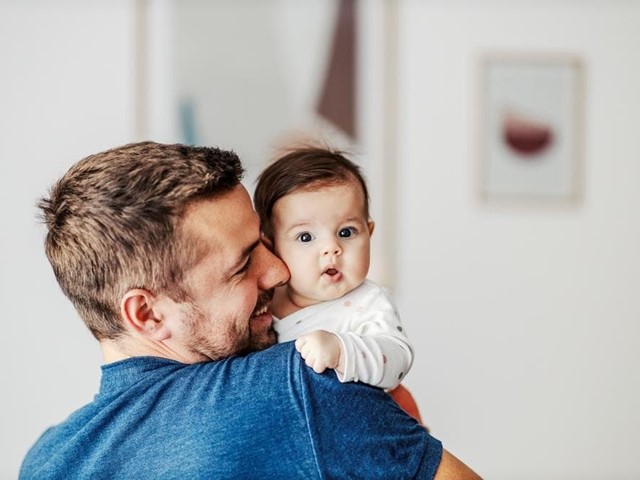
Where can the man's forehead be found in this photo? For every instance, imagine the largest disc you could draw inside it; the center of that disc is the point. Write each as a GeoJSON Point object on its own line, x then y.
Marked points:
{"type": "Point", "coordinates": [226, 223]}
{"type": "Point", "coordinates": [220, 209]}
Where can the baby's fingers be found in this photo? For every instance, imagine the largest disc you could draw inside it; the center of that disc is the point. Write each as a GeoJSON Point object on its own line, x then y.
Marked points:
{"type": "Point", "coordinates": [300, 343]}
{"type": "Point", "coordinates": [317, 365]}
{"type": "Point", "coordinates": [313, 361]}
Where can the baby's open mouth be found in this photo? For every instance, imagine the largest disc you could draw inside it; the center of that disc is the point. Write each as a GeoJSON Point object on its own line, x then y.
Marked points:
{"type": "Point", "coordinates": [331, 271]}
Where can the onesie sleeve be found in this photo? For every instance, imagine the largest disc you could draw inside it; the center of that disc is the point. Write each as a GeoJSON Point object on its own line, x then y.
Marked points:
{"type": "Point", "coordinates": [377, 349]}
{"type": "Point", "coordinates": [358, 431]}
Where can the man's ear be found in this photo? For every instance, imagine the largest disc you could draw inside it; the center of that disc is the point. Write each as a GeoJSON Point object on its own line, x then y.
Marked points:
{"type": "Point", "coordinates": [139, 315]}
{"type": "Point", "coordinates": [372, 225]}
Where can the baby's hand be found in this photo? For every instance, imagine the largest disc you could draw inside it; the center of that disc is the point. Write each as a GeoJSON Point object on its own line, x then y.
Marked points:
{"type": "Point", "coordinates": [321, 350]}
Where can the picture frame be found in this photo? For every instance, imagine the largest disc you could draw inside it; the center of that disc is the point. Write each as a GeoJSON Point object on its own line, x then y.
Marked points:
{"type": "Point", "coordinates": [530, 127]}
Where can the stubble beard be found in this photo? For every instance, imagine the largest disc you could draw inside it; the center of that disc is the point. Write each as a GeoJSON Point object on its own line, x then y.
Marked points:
{"type": "Point", "coordinates": [237, 340]}
{"type": "Point", "coordinates": [259, 341]}
{"type": "Point", "coordinates": [256, 343]}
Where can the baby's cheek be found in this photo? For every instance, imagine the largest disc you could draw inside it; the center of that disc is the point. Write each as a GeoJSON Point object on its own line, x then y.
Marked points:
{"type": "Point", "coordinates": [298, 281]}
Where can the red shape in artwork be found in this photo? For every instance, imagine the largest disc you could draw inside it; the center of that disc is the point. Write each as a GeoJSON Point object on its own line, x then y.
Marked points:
{"type": "Point", "coordinates": [526, 136]}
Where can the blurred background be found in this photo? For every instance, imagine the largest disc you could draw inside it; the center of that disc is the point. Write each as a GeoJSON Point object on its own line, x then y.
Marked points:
{"type": "Point", "coordinates": [525, 315]}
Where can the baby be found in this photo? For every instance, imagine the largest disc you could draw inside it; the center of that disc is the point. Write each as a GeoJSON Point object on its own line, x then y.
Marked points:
{"type": "Point", "coordinates": [313, 205]}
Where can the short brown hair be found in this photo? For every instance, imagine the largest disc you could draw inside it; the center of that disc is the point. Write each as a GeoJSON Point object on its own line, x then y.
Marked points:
{"type": "Point", "coordinates": [114, 223]}
{"type": "Point", "coordinates": [306, 168]}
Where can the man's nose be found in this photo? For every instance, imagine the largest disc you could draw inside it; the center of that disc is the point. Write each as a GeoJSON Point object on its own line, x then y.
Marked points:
{"type": "Point", "coordinates": [274, 271]}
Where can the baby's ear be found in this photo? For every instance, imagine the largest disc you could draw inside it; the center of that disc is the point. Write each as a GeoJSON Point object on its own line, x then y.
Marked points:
{"type": "Point", "coordinates": [267, 242]}
{"type": "Point", "coordinates": [372, 225]}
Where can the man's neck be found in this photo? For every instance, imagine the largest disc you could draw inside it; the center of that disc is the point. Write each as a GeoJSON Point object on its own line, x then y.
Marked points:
{"type": "Point", "coordinates": [114, 351]}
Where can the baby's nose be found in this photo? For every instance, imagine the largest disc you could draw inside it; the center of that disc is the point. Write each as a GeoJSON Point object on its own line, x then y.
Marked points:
{"type": "Point", "coordinates": [333, 248]}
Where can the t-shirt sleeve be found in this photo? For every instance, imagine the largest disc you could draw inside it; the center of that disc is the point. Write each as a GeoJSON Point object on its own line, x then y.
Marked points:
{"type": "Point", "coordinates": [358, 431]}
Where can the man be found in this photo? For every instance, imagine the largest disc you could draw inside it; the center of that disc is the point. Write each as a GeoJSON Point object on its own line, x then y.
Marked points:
{"type": "Point", "coordinates": [159, 249]}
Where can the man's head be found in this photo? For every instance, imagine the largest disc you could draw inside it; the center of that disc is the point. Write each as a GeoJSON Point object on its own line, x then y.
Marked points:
{"type": "Point", "coordinates": [131, 229]}
{"type": "Point", "coordinates": [313, 205]}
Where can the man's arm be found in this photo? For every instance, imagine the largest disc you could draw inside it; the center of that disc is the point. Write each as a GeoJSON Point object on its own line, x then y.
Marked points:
{"type": "Point", "coordinates": [453, 469]}
{"type": "Point", "coordinates": [358, 431]}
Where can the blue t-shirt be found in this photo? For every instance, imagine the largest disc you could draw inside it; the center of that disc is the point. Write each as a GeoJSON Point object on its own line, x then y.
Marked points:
{"type": "Point", "coordinates": [264, 415]}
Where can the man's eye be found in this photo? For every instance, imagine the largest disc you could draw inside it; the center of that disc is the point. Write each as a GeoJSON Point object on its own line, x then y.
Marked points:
{"type": "Point", "coordinates": [245, 267]}
{"type": "Point", "coordinates": [347, 232]}
{"type": "Point", "coordinates": [304, 237]}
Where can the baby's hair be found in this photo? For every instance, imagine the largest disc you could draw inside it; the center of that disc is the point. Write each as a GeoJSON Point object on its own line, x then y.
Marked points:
{"type": "Point", "coordinates": [304, 168]}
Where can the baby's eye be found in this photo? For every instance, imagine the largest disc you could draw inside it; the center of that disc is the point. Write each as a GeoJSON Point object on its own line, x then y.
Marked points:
{"type": "Point", "coordinates": [347, 232]}
{"type": "Point", "coordinates": [304, 237]}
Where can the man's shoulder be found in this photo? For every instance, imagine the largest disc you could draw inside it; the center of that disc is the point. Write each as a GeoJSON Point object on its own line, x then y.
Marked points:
{"type": "Point", "coordinates": [280, 354]}
{"type": "Point", "coordinates": [283, 363]}
{"type": "Point", "coordinates": [274, 364]}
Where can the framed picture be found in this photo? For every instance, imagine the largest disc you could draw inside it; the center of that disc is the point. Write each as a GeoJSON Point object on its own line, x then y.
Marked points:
{"type": "Point", "coordinates": [530, 127]}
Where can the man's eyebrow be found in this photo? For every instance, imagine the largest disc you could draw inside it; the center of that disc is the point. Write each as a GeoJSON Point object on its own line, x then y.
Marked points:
{"type": "Point", "coordinates": [238, 264]}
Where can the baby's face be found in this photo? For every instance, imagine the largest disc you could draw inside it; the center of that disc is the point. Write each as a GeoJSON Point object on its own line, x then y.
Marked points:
{"type": "Point", "coordinates": [324, 238]}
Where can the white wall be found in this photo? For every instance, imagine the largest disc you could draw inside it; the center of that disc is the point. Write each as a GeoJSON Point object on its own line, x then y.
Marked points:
{"type": "Point", "coordinates": [66, 90]}
{"type": "Point", "coordinates": [526, 320]}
